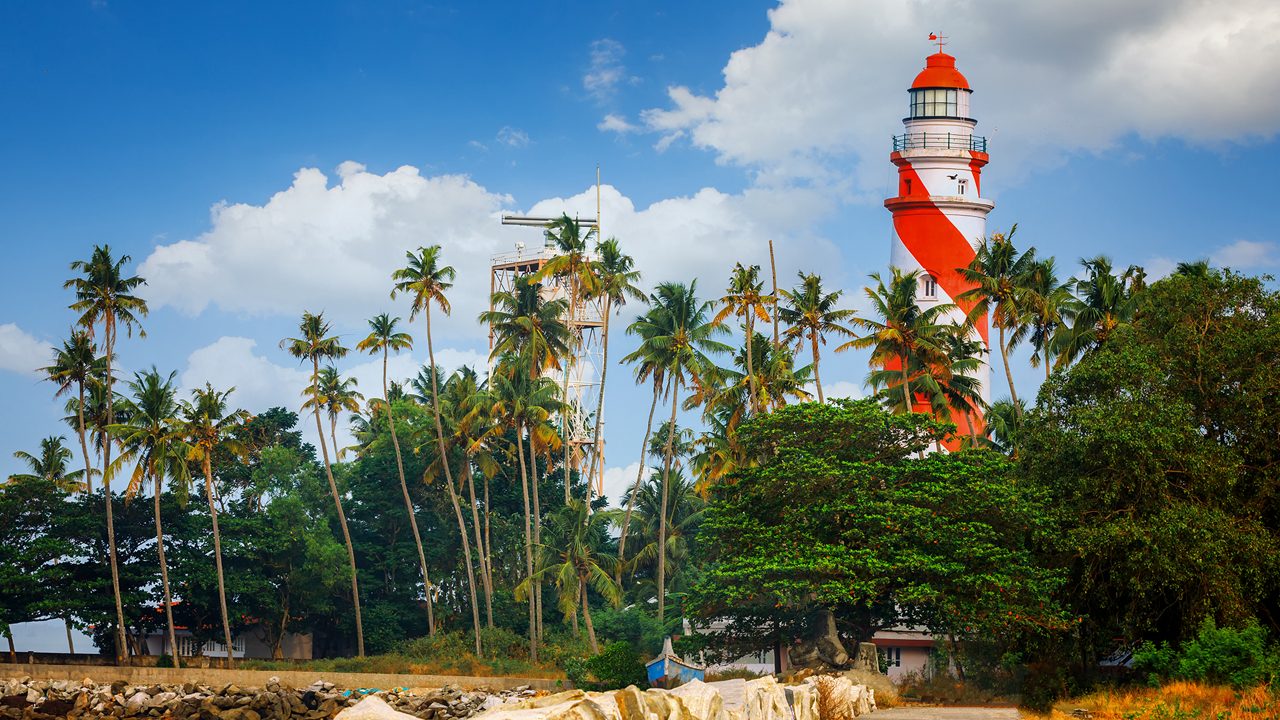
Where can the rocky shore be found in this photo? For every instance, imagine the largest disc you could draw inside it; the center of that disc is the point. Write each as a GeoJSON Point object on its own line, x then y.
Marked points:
{"type": "Point", "coordinates": [27, 699]}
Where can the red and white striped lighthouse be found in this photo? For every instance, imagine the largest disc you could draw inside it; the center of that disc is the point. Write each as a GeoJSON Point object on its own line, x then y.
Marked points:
{"type": "Point", "coordinates": [939, 213]}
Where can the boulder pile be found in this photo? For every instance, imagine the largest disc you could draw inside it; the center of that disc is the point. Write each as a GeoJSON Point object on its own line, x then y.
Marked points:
{"type": "Point", "coordinates": [27, 699]}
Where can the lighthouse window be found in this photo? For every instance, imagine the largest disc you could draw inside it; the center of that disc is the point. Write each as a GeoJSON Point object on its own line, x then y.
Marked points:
{"type": "Point", "coordinates": [935, 102]}
{"type": "Point", "coordinates": [930, 287]}
{"type": "Point", "coordinates": [962, 185]}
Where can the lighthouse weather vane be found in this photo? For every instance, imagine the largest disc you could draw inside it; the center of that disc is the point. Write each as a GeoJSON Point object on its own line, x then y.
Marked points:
{"type": "Point", "coordinates": [940, 39]}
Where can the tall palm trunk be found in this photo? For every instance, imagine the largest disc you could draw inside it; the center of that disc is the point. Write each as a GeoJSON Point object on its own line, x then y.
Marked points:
{"type": "Point", "coordinates": [121, 643]}
{"type": "Point", "coordinates": [662, 519]}
{"type": "Point", "coordinates": [164, 578]}
{"type": "Point", "coordinates": [342, 516]}
{"type": "Point", "coordinates": [535, 481]}
{"type": "Point", "coordinates": [475, 524]}
{"type": "Point", "coordinates": [751, 370]}
{"type": "Point", "coordinates": [1046, 361]}
{"type": "Point", "coordinates": [1008, 374]}
{"type": "Point", "coordinates": [586, 617]}
{"type": "Point", "coordinates": [408, 503]}
{"type": "Point", "coordinates": [217, 560]}
{"type": "Point", "coordinates": [596, 460]}
{"type": "Point", "coordinates": [88, 478]}
{"type": "Point", "coordinates": [528, 541]}
{"type": "Point", "coordinates": [813, 339]}
{"type": "Point", "coordinates": [488, 543]}
{"type": "Point", "coordinates": [635, 489]}
{"type": "Point", "coordinates": [575, 339]}
{"type": "Point", "coordinates": [333, 435]}
{"type": "Point", "coordinates": [448, 478]}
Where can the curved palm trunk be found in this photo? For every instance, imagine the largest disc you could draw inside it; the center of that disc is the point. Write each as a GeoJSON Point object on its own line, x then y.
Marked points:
{"type": "Point", "coordinates": [1008, 374]}
{"type": "Point", "coordinates": [408, 503]}
{"type": "Point", "coordinates": [596, 460]}
{"type": "Point", "coordinates": [751, 371]}
{"type": "Point", "coordinates": [217, 560]}
{"type": "Point", "coordinates": [488, 543]}
{"type": "Point", "coordinates": [574, 341]}
{"type": "Point", "coordinates": [164, 579]}
{"type": "Point", "coordinates": [813, 339]}
{"type": "Point", "coordinates": [586, 617]}
{"type": "Point", "coordinates": [662, 519]}
{"type": "Point", "coordinates": [528, 542]}
{"type": "Point", "coordinates": [773, 270]}
{"type": "Point", "coordinates": [121, 642]}
{"type": "Point", "coordinates": [475, 525]}
{"type": "Point", "coordinates": [333, 435]}
{"type": "Point", "coordinates": [448, 478]}
{"type": "Point", "coordinates": [342, 519]}
{"type": "Point", "coordinates": [635, 489]}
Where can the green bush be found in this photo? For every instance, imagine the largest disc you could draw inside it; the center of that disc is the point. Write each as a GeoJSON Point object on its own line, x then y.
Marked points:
{"type": "Point", "coordinates": [630, 625]}
{"type": "Point", "coordinates": [617, 666]}
{"type": "Point", "coordinates": [1239, 657]}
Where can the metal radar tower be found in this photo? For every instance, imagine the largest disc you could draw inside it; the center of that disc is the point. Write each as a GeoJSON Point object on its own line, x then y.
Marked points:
{"type": "Point", "coordinates": [579, 377]}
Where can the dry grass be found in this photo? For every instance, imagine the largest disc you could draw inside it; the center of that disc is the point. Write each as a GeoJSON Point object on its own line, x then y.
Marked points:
{"type": "Point", "coordinates": [1175, 701]}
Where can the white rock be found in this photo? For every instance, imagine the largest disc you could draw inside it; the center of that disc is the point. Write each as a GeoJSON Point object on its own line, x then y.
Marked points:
{"type": "Point", "coordinates": [764, 699]}
{"type": "Point", "coordinates": [373, 707]}
{"type": "Point", "coordinates": [703, 701]}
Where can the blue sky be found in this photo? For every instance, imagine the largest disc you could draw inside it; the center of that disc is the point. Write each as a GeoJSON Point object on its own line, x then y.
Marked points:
{"type": "Point", "coordinates": [256, 159]}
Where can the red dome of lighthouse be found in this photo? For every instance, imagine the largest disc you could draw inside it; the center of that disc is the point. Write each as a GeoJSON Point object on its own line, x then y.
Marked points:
{"type": "Point", "coordinates": [940, 72]}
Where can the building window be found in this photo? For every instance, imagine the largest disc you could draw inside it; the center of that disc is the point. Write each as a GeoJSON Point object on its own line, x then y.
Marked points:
{"type": "Point", "coordinates": [892, 656]}
{"type": "Point", "coordinates": [907, 184]}
{"type": "Point", "coordinates": [929, 287]}
{"type": "Point", "coordinates": [935, 102]}
{"type": "Point", "coordinates": [963, 184]}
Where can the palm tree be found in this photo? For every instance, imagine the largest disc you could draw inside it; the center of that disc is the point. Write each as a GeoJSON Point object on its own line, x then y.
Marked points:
{"type": "Point", "coordinates": [647, 369]}
{"type": "Point", "coordinates": [1003, 423]}
{"type": "Point", "coordinates": [453, 411]}
{"type": "Point", "coordinates": [684, 512]}
{"type": "Point", "coordinates": [1002, 280]}
{"type": "Point", "coordinates": [154, 442]}
{"type": "Point", "coordinates": [210, 426]}
{"type": "Point", "coordinates": [575, 559]}
{"type": "Point", "coordinates": [383, 338]}
{"type": "Point", "coordinates": [903, 334]}
{"type": "Point", "coordinates": [1047, 299]}
{"type": "Point", "coordinates": [77, 364]}
{"type": "Point", "coordinates": [677, 334]}
{"type": "Point", "coordinates": [745, 299]}
{"type": "Point", "coordinates": [521, 401]}
{"type": "Point", "coordinates": [525, 324]}
{"type": "Point", "coordinates": [1193, 268]}
{"type": "Point", "coordinates": [811, 313]}
{"type": "Point", "coordinates": [50, 465]}
{"type": "Point", "coordinates": [315, 342]}
{"type": "Point", "coordinates": [616, 276]}
{"type": "Point", "coordinates": [946, 381]}
{"type": "Point", "coordinates": [104, 295]}
{"type": "Point", "coordinates": [336, 395]}
{"type": "Point", "coordinates": [1104, 302]}
{"type": "Point", "coordinates": [426, 281]}
{"type": "Point", "coordinates": [471, 425]}
{"type": "Point", "coordinates": [574, 267]}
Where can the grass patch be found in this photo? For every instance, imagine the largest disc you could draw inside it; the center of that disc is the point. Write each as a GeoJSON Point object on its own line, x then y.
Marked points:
{"type": "Point", "coordinates": [1174, 701]}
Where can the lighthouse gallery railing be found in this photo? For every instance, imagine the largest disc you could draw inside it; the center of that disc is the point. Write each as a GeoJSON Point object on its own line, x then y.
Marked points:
{"type": "Point", "coordinates": [951, 141]}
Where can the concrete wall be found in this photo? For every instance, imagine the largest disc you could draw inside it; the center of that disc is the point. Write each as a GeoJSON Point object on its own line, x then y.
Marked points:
{"type": "Point", "coordinates": [258, 678]}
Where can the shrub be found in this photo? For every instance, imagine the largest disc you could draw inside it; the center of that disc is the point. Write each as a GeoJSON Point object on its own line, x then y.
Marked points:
{"type": "Point", "coordinates": [617, 666]}
{"type": "Point", "coordinates": [631, 625]}
{"type": "Point", "coordinates": [1238, 657]}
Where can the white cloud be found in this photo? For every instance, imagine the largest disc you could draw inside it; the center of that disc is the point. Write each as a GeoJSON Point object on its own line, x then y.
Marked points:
{"type": "Point", "coordinates": [842, 389]}
{"type": "Point", "coordinates": [618, 482]}
{"type": "Point", "coordinates": [21, 352]}
{"type": "Point", "coordinates": [319, 247]}
{"type": "Point", "coordinates": [1158, 267]}
{"type": "Point", "coordinates": [606, 70]}
{"type": "Point", "coordinates": [828, 81]}
{"type": "Point", "coordinates": [1247, 255]}
{"type": "Point", "coordinates": [617, 124]}
{"type": "Point", "coordinates": [512, 137]}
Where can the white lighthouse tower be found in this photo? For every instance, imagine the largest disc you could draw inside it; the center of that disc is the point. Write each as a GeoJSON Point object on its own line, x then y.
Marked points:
{"type": "Point", "coordinates": [939, 213]}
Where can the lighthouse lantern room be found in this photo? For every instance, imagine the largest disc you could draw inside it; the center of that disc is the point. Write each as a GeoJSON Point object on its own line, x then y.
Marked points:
{"type": "Point", "coordinates": [940, 212]}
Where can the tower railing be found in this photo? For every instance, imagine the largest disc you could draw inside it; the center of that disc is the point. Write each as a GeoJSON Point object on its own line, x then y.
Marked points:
{"type": "Point", "coordinates": [949, 141]}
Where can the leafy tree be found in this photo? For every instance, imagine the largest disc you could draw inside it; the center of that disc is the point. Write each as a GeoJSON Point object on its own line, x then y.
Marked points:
{"type": "Point", "coordinates": [104, 295]}
{"type": "Point", "coordinates": [313, 344]}
{"type": "Point", "coordinates": [835, 519]}
{"type": "Point", "coordinates": [811, 313]}
{"type": "Point", "coordinates": [32, 578]}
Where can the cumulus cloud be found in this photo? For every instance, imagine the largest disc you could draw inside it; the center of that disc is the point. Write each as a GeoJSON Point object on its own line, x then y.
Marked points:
{"type": "Point", "coordinates": [22, 352]}
{"type": "Point", "coordinates": [842, 389]}
{"type": "Point", "coordinates": [618, 482]}
{"type": "Point", "coordinates": [828, 80]}
{"type": "Point", "coordinates": [606, 70]}
{"type": "Point", "coordinates": [328, 247]}
{"type": "Point", "coordinates": [1247, 255]}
